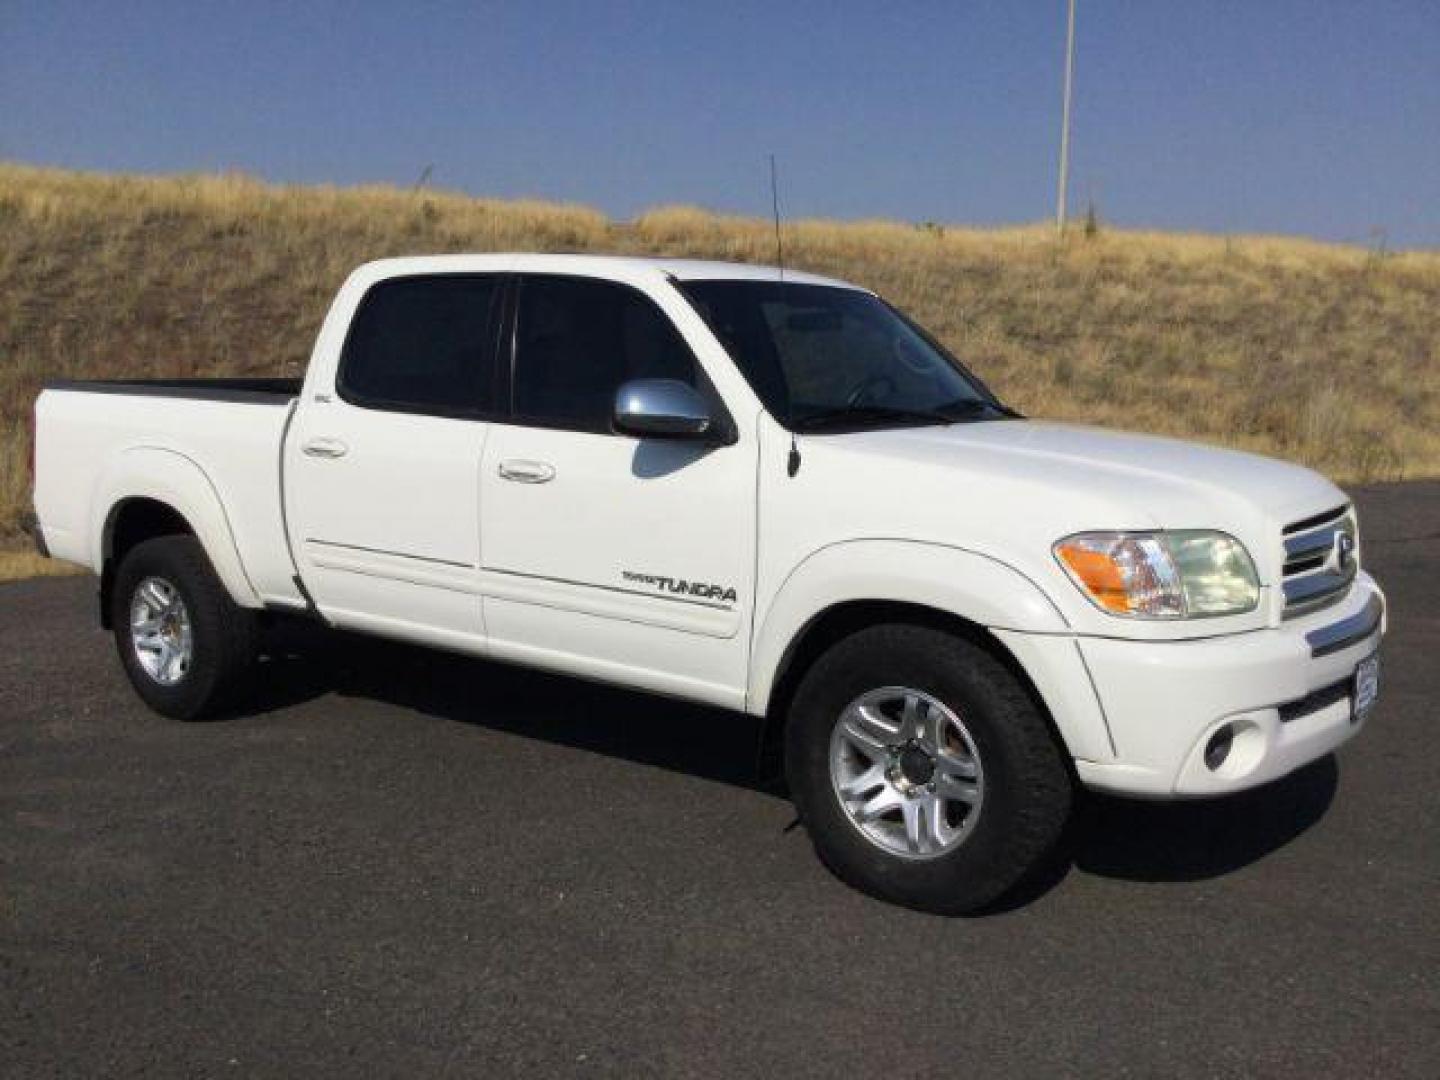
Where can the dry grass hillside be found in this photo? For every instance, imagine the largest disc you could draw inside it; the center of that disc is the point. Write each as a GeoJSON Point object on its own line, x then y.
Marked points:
{"type": "Point", "coordinates": [1324, 354]}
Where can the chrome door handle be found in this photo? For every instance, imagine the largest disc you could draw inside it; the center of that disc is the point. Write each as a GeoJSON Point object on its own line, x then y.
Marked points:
{"type": "Point", "coordinates": [527, 472]}
{"type": "Point", "coordinates": [325, 448]}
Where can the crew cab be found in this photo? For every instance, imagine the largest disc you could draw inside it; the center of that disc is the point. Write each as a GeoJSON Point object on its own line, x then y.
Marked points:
{"type": "Point", "coordinates": [751, 487]}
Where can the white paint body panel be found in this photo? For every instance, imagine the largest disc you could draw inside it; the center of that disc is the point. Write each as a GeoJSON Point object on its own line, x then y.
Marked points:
{"type": "Point", "coordinates": [390, 529]}
{"type": "Point", "coordinates": [413, 533]}
{"type": "Point", "coordinates": [618, 513]}
{"type": "Point", "coordinates": [217, 463]}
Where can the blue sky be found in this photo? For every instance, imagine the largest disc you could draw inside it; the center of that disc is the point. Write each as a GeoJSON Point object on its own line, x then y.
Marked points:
{"type": "Point", "coordinates": [1319, 118]}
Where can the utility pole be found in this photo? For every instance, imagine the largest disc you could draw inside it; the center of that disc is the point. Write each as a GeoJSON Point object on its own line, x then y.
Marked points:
{"type": "Point", "coordinates": [1064, 183]}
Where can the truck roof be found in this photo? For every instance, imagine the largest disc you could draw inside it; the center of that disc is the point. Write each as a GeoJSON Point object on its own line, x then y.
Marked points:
{"type": "Point", "coordinates": [617, 266]}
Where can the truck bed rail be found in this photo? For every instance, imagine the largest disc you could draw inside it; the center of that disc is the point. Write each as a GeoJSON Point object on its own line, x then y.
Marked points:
{"type": "Point", "coordinates": [255, 390]}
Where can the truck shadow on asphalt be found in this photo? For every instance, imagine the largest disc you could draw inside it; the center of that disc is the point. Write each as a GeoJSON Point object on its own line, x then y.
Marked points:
{"type": "Point", "coordinates": [1110, 837]}
{"type": "Point", "coordinates": [1197, 840]}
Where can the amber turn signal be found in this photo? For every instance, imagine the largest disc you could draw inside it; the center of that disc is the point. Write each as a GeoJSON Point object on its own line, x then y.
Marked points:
{"type": "Point", "coordinates": [1099, 573]}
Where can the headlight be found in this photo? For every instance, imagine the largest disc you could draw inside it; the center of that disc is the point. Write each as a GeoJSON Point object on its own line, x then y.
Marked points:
{"type": "Point", "coordinates": [1162, 575]}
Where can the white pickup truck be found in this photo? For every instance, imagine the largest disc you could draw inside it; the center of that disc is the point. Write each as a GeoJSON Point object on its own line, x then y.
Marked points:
{"type": "Point", "coordinates": [759, 489]}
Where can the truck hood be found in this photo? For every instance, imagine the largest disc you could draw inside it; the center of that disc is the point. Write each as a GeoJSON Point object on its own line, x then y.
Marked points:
{"type": "Point", "coordinates": [1053, 479]}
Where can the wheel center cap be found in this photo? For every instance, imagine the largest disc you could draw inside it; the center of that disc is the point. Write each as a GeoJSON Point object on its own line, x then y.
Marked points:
{"type": "Point", "coordinates": [916, 765]}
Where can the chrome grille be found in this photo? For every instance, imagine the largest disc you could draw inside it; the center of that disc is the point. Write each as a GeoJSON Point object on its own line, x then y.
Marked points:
{"type": "Point", "coordinates": [1321, 560]}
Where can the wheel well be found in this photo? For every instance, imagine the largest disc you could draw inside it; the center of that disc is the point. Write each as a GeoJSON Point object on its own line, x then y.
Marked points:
{"type": "Point", "coordinates": [132, 522]}
{"type": "Point", "coordinates": [842, 620]}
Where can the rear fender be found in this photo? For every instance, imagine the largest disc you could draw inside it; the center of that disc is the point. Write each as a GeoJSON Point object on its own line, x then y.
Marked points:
{"type": "Point", "coordinates": [171, 478]}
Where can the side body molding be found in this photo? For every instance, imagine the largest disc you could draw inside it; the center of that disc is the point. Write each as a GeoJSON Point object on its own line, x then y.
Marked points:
{"type": "Point", "coordinates": [169, 477]}
{"type": "Point", "coordinates": [965, 583]}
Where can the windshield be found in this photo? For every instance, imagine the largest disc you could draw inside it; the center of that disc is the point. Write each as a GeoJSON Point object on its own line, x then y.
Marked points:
{"type": "Point", "coordinates": [827, 358]}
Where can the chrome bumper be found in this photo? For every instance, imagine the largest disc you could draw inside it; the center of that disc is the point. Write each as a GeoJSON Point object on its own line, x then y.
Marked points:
{"type": "Point", "coordinates": [1346, 632]}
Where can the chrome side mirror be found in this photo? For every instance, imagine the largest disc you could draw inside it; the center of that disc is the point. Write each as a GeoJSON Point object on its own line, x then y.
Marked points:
{"type": "Point", "coordinates": [662, 409]}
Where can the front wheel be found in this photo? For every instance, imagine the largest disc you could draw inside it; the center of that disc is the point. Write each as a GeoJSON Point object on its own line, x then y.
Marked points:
{"type": "Point", "coordinates": [923, 770]}
{"type": "Point", "coordinates": [183, 642]}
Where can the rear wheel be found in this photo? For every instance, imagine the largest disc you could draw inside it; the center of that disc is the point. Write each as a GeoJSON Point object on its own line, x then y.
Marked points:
{"type": "Point", "coordinates": [183, 642]}
{"type": "Point", "coordinates": [923, 770]}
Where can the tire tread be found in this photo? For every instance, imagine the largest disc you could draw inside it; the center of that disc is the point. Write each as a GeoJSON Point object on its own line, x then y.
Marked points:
{"type": "Point", "coordinates": [226, 633]}
{"type": "Point", "coordinates": [1034, 810]}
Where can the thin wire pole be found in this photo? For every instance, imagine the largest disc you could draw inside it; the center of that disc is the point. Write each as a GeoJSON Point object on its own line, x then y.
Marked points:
{"type": "Point", "coordinates": [775, 209]}
{"type": "Point", "coordinates": [1063, 186]}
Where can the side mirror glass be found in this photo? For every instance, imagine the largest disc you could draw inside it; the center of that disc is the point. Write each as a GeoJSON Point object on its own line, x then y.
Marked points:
{"type": "Point", "coordinates": [662, 409]}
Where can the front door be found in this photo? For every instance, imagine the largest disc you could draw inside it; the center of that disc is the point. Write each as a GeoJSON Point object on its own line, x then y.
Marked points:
{"type": "Point", "coordinates": [606, 554]}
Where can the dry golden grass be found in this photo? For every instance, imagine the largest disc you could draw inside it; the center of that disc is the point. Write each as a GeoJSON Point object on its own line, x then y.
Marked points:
{"type": "Point", "coordinates": [1325, 354]}
{"type": "Point", "coordinates": [17, 565]}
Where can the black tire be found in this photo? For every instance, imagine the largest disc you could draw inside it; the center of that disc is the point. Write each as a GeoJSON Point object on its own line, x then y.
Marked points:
{"type": "Point", "coordinates": [1027, 783]}
{"type": "Point", "coordinates": [223, 633]}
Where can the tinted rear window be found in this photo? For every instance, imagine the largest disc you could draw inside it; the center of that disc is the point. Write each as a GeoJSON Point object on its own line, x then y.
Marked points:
{"type": "Point", "coordinates": [424, 344]}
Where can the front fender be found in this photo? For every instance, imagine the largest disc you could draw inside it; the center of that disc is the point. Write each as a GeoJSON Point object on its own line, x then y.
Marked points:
{"type": "Point", "coordinates": [975, 587]}
{"type": "Point", "coordinates": [169, 477]}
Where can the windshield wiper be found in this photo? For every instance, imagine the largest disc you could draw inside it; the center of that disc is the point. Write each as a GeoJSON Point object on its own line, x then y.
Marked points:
{"type": "Point", "coordinates": [865, 415]}
{"type": "Point", "coordinates": [952, 412]}
{"type": "Point", "coordinates": [966, 408]}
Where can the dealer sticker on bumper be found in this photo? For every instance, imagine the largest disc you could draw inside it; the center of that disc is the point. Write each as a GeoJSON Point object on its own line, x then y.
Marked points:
{"type": "Point", "coordinates": [1367, 687]}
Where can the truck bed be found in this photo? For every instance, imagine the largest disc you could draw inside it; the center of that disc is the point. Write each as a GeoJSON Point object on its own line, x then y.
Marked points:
{"type": "Point", "coordinates": [242, 389]}
{"type": "Point", "coordinates": [154, 437]}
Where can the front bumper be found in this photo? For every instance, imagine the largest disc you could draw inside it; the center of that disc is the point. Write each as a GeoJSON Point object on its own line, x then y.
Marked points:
{"type": "Point", "coordinates": [1285, 692]}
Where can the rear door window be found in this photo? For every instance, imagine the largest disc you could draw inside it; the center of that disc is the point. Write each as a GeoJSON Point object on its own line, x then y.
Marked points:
{"type": "Point", "coordinates": [424, 344]}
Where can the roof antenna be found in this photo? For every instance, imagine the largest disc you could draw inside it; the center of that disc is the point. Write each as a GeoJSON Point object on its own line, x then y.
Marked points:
{"type": "Point", "coordinates": [775, 210]}
{"type": "Point", "coordinates": [792, 461]}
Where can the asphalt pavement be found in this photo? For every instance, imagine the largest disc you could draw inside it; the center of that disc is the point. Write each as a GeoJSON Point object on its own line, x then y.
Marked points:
{"type": "Point", "coordinates": [399, 863]}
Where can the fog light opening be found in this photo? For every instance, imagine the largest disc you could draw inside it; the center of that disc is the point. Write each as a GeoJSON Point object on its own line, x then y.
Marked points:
{"type": "Point", "coordinates": [1218, 748]}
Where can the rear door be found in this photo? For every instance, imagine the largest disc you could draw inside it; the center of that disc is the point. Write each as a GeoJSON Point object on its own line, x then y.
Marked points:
{"type": "Point", "coordinates": [604, 553]}
{"type": "Point", "coordinates": [382, 476]}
